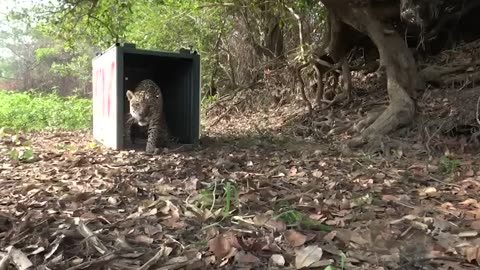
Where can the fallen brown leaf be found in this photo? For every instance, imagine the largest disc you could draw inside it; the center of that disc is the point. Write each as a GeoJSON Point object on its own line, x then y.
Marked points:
{"type": "Point", "coordinates": [476, 225]}
{"type": "Point", "coordinates": [221, 246]}
{"type": "Point", "coordinates": [308, 256]}
{"type": "Point", "coordinates": [295, 238]}
{"type": "Point", "coordinates": [246, 259]}
{"type": "Point", "coordinates": [472, 254]}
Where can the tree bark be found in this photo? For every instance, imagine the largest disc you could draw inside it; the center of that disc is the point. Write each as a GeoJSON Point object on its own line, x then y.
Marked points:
{"type": "Point", "coordinates": [396, 58]}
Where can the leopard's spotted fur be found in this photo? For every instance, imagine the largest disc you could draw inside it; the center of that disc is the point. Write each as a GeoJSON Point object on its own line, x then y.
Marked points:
{"type": "Point", "coordinates": [146, 109]}
{"type": "Point", "coordinates": [133, 130]}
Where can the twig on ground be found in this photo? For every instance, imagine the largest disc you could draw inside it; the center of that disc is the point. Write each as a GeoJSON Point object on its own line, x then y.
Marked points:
{"type": "Point", "coordinates": [100, 260]}
{"type": "Point", "coordinates": [429, 138]}
{"type": "Point", "coordinates": [219, 118]}
{"type": "Point", "coordinates": [154, 259]}
{"type": "Point", "coordinates": [5, 260]}
{"type": "Point", "coordinates": [213, 195]}
{"type": "Point", "coordinates": [477, 112]}
{"type": "Point", "coordinates": [175, 266]}
{"type": "Point", "coordinates": [91, 237]}
{"type": "Point", "coordinates": [412, 262]}
{"type": "Point", "coordinates": [18, 231]}
{"type": "Point", "coordinates": [443, 182]}
{"type": "Point", "coordinates": [236, 92]}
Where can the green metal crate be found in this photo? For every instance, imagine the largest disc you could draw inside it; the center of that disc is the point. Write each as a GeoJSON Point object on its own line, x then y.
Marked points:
{"type": "Point", "coordinates": [122, 67]}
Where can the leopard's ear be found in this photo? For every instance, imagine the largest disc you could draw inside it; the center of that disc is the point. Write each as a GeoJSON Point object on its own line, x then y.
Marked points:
{"type": "Point", "coordinates": [130, 95]}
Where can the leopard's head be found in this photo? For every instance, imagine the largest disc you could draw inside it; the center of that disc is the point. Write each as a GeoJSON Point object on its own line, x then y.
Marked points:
{"type": "Point", "coordinates": [139, 107]}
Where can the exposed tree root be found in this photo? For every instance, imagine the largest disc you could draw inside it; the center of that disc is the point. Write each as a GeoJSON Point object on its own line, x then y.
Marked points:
{"type": "Point", "coordinates": [298, 74]}
{"type": "Point", "coordinates": [327, 125]}
{"type": "Point", "coordinates": [399, 112]}
{"type": "Point", "coordinates": [399, 65]}
{"type": "Point", "coordinates": [339, 129]}
{"type": "Point", "coordinates": [465, 78]}
{"type": "Point", "coordinates": [322, 71]}
{"type": "Point", "coordinates": [345, 94]}
{"type": "Point", "coordinates": [320, 86]}
{"type": "Point", "coordinates": [346, 80]}
{"type": "Point", "coordinates": [384, 145]}
{"type": "Point", "coordinates": [339, 98]}
{"type": "Point", "coordinates": [368, 120]}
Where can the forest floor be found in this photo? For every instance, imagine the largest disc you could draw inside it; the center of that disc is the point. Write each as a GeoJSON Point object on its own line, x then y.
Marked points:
{"type": "Point", "coordinates": [68, 203]}
{"type": "Point", "coordinates": [252, 196]}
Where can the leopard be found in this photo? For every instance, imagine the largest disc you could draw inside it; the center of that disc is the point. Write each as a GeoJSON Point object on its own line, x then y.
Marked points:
{"type": "Point", "coordinates": [133, 130]}
{"type": "Point", "coordinates": [147, 110]}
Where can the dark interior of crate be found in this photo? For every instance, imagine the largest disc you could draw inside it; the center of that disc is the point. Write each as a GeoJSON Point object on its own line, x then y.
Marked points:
{"type": "Point", "coordinates": [173, 75]}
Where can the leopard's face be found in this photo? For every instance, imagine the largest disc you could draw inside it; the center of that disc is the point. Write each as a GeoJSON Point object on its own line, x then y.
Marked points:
{"type": "Point", "coordinates": [139, 107]}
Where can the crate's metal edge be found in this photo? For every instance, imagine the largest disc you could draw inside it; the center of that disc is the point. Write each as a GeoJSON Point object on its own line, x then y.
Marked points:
{"type": "Point", "coordinates": [158, 53]}
{"type": "Point", "coordinates": [116, 45]}
{"type": "Point", "coordinates": [135, 50]}
{"type": "Point", "coordinates": [120, 97]}
{"type": "Point", "coordinates": [196, 96]}
{"type": "Point", "coordinates": [195, 87]}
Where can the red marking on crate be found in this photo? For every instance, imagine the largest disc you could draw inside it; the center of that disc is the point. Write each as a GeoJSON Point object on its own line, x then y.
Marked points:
{"type": "Point", "coordinates": [102, 90]}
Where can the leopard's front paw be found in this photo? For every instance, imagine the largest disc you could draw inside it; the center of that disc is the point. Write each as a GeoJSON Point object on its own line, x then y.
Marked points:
{"type": "Point", "coordinates": [150, 150]}
{"type": "Point", "coordinates": [155, 151]}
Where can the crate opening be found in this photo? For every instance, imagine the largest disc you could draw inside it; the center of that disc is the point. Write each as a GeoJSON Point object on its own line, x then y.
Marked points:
{"type": "Point", "coordinates": [174, 77]}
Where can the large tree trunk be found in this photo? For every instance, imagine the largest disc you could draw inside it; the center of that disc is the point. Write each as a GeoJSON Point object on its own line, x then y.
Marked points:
{"type": "Point", "coordinates": [274, 38]}
{"type": "Point", "coordinates": [395, 58]}
{"type": "Point", "coordinates": [273, 33]}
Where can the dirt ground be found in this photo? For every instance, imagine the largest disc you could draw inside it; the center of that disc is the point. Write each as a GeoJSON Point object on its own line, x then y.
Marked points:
{"type": "Point", "coordinates": [264, 190]}
{"type": "Point", "coordinates": [68, 203]}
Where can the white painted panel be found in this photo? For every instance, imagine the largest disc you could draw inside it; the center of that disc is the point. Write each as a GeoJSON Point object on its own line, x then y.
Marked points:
{"type": "Point", "coordinates": [105, 101]}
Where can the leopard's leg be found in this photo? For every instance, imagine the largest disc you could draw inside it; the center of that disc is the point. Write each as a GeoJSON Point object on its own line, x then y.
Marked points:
{"type": "Point", "coordinates": [164, 139]}
{"type": "Point", "coordinates": [154, 133]}
{"type": "Point", "coordinates": [129, 134]}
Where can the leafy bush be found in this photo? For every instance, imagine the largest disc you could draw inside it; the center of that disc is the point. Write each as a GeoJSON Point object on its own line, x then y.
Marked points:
{"type": "Point", "coordinates": [449, 165]}
{"type": "Point", "coordinates": [31, 111]}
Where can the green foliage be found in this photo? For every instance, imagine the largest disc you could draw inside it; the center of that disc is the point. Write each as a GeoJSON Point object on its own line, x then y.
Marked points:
{"type": "Point", "coordinates": [207, 101]}
{"type": "Point", "coordinates": [226, 201]}
{"type": "Point", "coordinates": [171, 25]}
{"type": "Point", "coordinates": [230, 196]}
{"type": "Point", "coordinates": [32, 56]}
{"type": "Point", "coordinates": [291, 217]}
{"type": "Point", "coordinates": [30, 111]}
{"type": "Point", "coordinates": [204, 198]}
{"type": "Point", "coordinates": [45, 53]}
{"type": "Point", "coordinates": [75, 30]}
{"type": "Point", "coordinates": [6, 68]}
{"type": "Point", "coordinates": [23, 155]}
{"type": "Point", "coordinates": [65, 147]}
{"type": "Point", "coordinates": [295, 218]}
{"type": "Point", "coordinates": [343, 257]}
{"type": "Point", "coordinates": [365, 199]}
{"type": "Point", "coordinates": [449, 165]}
{"type": "Point", "coordinates": [155, 25]}
{"type": "Point", "coordinates": [81, 22]}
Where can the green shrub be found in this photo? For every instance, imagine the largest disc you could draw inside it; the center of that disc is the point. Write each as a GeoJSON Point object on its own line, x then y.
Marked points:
{"type": "Point", "coordinates": [31, 111]}
{"type": "Point", "coordinates": [449, 165]}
